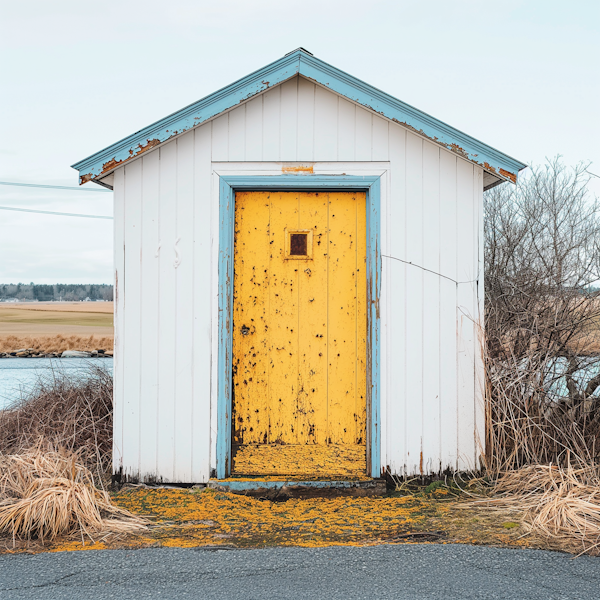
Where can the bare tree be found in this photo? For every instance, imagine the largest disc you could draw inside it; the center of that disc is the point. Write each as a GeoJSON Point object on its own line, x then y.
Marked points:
{"type": "Point", "coordinates": [542, 318]}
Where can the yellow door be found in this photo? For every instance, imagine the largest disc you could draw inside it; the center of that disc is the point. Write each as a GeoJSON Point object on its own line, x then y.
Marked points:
{"type": "Point", "coordinates": [299, 334]}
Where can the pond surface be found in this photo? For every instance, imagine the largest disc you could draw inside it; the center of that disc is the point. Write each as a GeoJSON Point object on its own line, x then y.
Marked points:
{"type": "Point", "coordinates": [18, 376]}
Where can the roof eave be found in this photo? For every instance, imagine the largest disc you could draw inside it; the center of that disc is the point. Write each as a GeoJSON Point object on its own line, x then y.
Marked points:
{"type": "Point", "coordinates": [301, 63]}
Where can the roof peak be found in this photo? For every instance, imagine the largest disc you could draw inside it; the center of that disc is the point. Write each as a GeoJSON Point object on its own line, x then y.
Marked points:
{"type": "Point", "coordinates": [300, 49]}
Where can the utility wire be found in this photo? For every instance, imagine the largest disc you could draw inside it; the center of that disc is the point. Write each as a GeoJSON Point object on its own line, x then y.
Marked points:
{"type": "Point", "coordinates": [55, 187]}
{"type": "Point", "coordinates": [49, 212]}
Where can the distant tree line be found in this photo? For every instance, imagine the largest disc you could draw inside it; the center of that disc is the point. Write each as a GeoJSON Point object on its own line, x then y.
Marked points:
{"type": "Point", "coordinates": [60, 291]}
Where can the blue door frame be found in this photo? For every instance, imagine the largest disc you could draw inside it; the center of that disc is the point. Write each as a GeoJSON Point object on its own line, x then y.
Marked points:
{"type": "Point", "coordinates": [228, 185]}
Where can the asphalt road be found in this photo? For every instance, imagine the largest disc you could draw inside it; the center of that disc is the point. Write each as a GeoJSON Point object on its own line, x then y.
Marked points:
{"type": "Point", "coordinates": [423, 572]}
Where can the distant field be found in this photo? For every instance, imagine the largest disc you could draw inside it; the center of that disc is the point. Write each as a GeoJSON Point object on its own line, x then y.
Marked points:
{"type": "Point", "coordinates": [79, 325]}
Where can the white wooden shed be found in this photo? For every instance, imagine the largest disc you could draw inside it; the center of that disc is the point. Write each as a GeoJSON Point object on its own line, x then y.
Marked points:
{"type": "Point", "coordinates": [298, 283]}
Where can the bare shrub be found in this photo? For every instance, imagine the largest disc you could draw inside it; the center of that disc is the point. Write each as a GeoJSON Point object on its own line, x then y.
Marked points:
{"type": "Point", "coordinates": [64, 412]}
{"type": "Point", "coordinates": [542, 320]}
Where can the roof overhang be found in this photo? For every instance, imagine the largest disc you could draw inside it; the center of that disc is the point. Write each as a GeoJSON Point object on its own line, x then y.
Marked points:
{"type": "Point", "coordinates": [498, 166]}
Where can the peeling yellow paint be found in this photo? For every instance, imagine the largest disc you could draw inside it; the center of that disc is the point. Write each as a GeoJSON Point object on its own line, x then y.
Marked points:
{"type": "Point", "coordinates": [301, 461]}
{"type": "Point", "coordinates": [299, 335]}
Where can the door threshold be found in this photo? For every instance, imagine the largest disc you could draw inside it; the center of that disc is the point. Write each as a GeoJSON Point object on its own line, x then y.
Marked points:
{"type": "Point", "coordinates": [282, 489]}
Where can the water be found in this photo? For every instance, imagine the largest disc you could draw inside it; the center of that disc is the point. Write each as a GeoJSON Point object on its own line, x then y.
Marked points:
{"type": "Point", "coordinates": [18, 376]}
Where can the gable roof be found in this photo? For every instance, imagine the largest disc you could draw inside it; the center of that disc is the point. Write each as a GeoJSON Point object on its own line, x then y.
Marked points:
{"type": "Point", "coordinates": [299, 62]}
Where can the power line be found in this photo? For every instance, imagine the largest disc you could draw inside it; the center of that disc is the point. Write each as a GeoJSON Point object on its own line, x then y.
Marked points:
{"type": "Point", "coordinates": [49, 212]}
{"type": "Point", "coordinates": [55, 187]}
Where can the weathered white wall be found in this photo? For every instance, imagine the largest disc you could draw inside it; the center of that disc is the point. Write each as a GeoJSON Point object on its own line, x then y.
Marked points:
{"type": "Point", "coordinates": [166, 242]}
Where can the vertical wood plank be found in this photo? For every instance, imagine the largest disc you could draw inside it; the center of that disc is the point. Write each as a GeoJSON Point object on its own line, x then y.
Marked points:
{"type": "Point", "coordinates": [414, 302]}
{"type": "Point", "coordinates": [254, 128]}
{"type": "Point", "coordinates": [380, 139]}
{"type": "Point", "coordinates": [363, 137]}
{"type": "Point", "coordinates": [283, 321]}
{"type": "Point", "coordinates": [361, 321]}
{"type": "Point", "coordinates": [184, 273]}
{"type": "Point", "coordinates": [289, 120]}
{"type": "Point", "coordinates": [346, 130]}
{"type": "Point", "coordinates": [149, 316]}
{"type": "Point", "coordinates": [119, 282]}
{"type": "Point", "coordinates": [312, 303]}
{"type": "Point", "coordinates": [271, 123]}
{"type": "Point", "coordinates": [251, 336]}
{"type": "Point", "coordinates": [397, 395]}
{"type": "Point", "coordinates": [167, 309]}
{"type": "Point", "coordinates": [326, 118]}
{"type": "Point", "coordinates": [131, 322]}
{"type": "Point", "coordinates": [466, 313]}
{"type": "Point", "coordinates": [448, 341]}
{"type": "Point", "coordinates": [237, 133]}
{"type": "Point", "coordinates": [306, 113]}
{"type": "Point", "coordinates": [342, 317]}
{"type": "Point", "coordinates": [220, 138]}
{"type": "Point", "coordinates": [431, 309]}
{"type": "Point", "coordinates": [201, 414]}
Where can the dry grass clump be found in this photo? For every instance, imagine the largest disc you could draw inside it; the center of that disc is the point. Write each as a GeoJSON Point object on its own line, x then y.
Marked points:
{"type": "Point", "coordinates": [558, 504]}
{"type": "Point", "coordinates": [44, 495]}
{"type": "Point", "coordinates": [56, 343]}
{"type": "Point", "coordinates": [74, 413]}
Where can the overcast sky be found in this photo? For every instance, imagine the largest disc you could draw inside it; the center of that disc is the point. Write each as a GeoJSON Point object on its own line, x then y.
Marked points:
{"type": "Point", "coordinates": [521, 76]}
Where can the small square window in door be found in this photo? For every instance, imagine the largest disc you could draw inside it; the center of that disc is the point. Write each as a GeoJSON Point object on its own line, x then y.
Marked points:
{"type": "Point", "coordinates": [298, 244]}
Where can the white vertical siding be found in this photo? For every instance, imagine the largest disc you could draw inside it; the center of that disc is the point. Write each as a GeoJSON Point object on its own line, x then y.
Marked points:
{"type": "Point", "coordinates": [200, 417]}
{"type": "Point", "coordinates": [448, 328]}
{"type": "Point", "coordinates": [164, 250]}
{"type": "Point", "coordinates": [395, 271]}
{"type": "Point", "coordinates": [149, 312]}
{"type": "Point", "coordinates": [431, 308]}
{"type": "Point", "coordinates": [132, 325]}
{"type": "Point", "coordinates": [119, 296]}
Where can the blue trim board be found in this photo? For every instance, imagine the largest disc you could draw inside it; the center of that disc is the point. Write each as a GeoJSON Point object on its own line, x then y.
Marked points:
{"type": "Point", "coordinates": [258, 484]}
{"type": "Point", "coordinates": [228, 185]}
{"type": "Point", "coordinates": [301, 63]}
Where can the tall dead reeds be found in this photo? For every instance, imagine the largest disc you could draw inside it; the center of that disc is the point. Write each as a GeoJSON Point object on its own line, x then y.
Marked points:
{"type": "Point", "coordinates": [44, 495]}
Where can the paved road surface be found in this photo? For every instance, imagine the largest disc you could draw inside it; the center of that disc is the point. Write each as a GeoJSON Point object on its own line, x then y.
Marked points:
{"type": "Point", "coordinates": [423, 572]}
